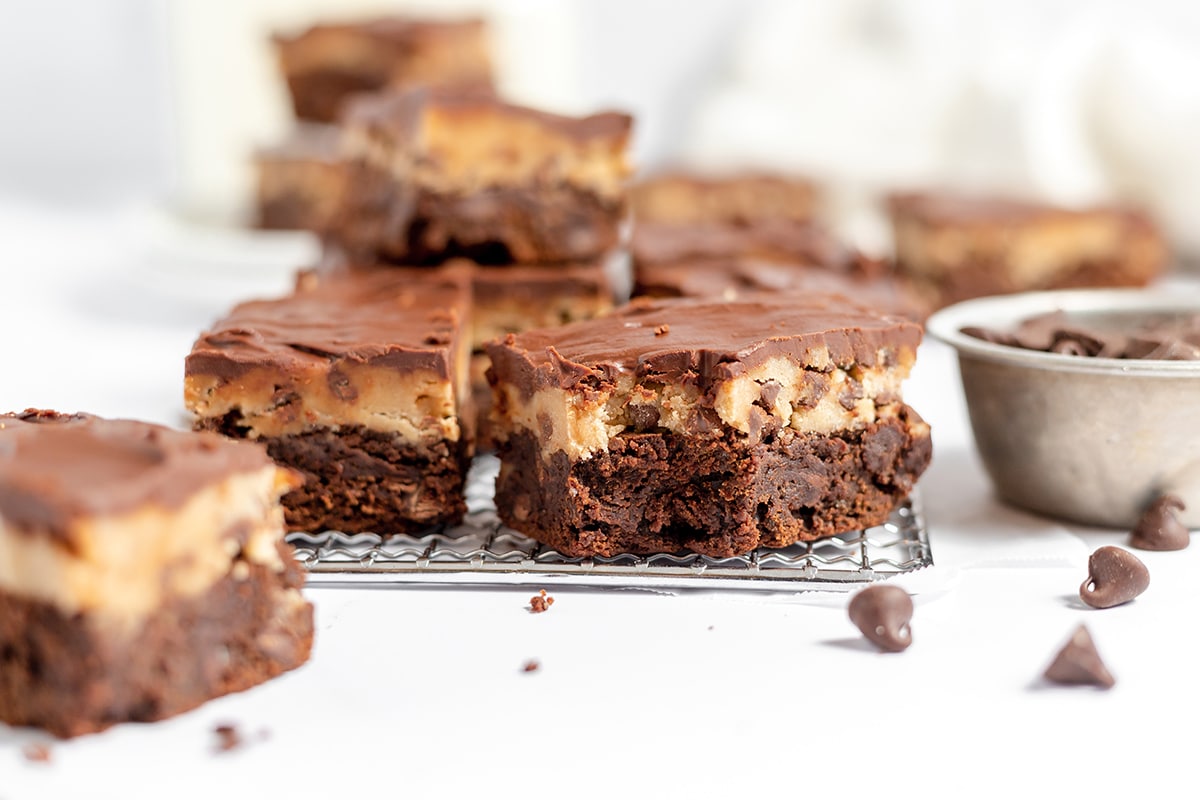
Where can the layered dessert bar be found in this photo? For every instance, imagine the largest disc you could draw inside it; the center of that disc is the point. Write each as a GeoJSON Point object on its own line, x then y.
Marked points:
{"type": "Point", "coordinates": [734, 277]}
{"type": "Point", "coordinates": [326, 64]}
{"type": "Point", "coordinates": [142, 571]}
{"type": "Point", "coordinates": [359, 383]}
{"type": "Point", "coordinates": [443, 173]}
{"type": "Point", "coordinates": [518, 298]}
{"type": "Point", "coordinates": [300, 181]}
{"type": "Point", "coordinates": [660, 243]}
{"type": "Point", "coordinates": [710, 426]}
{"type": "Point", "coordinates": [692, 198]}
{"type": "Point", "coordinates": [954, 247]}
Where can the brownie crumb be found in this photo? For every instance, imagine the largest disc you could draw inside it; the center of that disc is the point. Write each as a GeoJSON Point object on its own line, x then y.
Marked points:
{"type": "Point", "coordinates": [228, 738]}
{"type": "Point", "coordinates": [540, 602]}
{"type": "Point", "coordinates": [36, 753]}
{"type": "Point", "coordinates": [662, 330]}
{"type": "Point", "coordinates": [531, 665]}
{"type": "Point", "coordinates": [710, 627]}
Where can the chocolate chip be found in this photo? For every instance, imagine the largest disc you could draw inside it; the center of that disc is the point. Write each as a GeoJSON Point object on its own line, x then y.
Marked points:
{"type": "Point", "coordinates": [340, 385]}
{"type": "Point", "coordinates": [883, 613]}
{"type": "Point", "coordinates": [1159, 528]}
{"type": "Point", "coordinates": [1115, 576]}
{"type": "Point", "coordinates": [1079, 664]}
{"type": "Point", "coordinates": [531, 665]}
{"type": "Point", "coordinates": [644, 417]}
{"type": "Point", "coordinates": [769, 393]}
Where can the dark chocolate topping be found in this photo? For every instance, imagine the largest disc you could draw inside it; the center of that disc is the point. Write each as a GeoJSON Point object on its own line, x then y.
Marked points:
{"type": "Point", "coordinates": [732, 277]}
{"type": "Point", "coordinates": [399, 318]}
{"type": "Point", "coordinates": [56, 468]}
{"type": "Point", "coordinates": [707, 340]}
{"type": "Point", "coordinates": [1078, 663]}
{"type": "Point", "coordinates": [394, 115]}
{"type": "Point", "coordinates": [1163, 337]}
{"type": "Point", "coordinates": [883, 614]}
{"type": "Point", "coordinates": [1159, 528]}
{"type": "Point", "coordinates": [795, 242]}
{"type": "Point", "coordinates": [1115, 576]}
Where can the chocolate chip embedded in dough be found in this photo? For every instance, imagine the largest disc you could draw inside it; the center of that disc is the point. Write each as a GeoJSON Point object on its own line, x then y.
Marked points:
{"type": "Point", "coordinates": [1115, 576]}
{"type": "Point", "coordinates": [883, 614]}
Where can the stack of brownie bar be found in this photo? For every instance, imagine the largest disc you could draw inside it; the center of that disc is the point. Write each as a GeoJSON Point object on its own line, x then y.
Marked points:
{"type": "Point", "coordinates": [299, 182]}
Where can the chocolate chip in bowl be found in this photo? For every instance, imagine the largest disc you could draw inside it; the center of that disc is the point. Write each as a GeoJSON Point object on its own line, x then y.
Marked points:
{"type": "Point", "coordinates": [1090, 439]}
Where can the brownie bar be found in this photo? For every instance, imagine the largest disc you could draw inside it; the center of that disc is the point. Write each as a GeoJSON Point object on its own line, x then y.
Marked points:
{"type": "Point", "coordinates": [327, 64]}
{"type": "Point", "coordinates": [301, 180]}
{"type": "Point", "coordinates": [440, 174]}
{"type": "Point", "coordinates": [735, 277]}
{"type": "Point", "coordinates": [689, 198]}
{"type": "Point", "coordinates": [359, 382]}
{"type": "Point", "coordinates": [142, 572]}
{"type": "Point", "coordinates": [711, 426]}
{"type": "Point", "coordinates": [954, 247]}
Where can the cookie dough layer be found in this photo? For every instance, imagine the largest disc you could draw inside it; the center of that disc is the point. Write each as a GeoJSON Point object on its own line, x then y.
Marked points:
{"type": "Point", "coordinates": [327, 64]}
{"type": "Point", "coordinates": [687, 198]}
{"type": "Point", "coordinates": [301, 180]}
{"type": "Point", "coordinates": [953, 248]}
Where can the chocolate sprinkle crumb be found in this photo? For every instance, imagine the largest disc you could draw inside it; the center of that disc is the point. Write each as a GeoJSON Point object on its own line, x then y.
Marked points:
{"type": "Point", "coordinates": [36, 753]}
{"type": "Point", "coordinates": [531, 665]}
{"type": "Point", "coordinates": [662, 330]}
{"type": "Point", "coordinates": [228, 738]}
{"type": "Point", "coordinates": [540, 602]}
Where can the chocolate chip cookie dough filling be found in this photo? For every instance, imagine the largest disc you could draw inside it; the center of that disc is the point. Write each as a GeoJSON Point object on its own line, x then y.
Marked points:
{"type": "Point", "coordinates": [142, 571]}
{"type": "Point", "coordinates": [439, 173]}
{"type": "Point", "coordinates": [707, 426]}
{"type": "Point", "coordinates": [956, 247]}
{"type": "Point", "coordinates": [360, 383]}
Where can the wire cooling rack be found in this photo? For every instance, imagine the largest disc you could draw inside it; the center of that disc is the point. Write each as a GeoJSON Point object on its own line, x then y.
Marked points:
{"type": "Point", "coordinates": [482, 551]}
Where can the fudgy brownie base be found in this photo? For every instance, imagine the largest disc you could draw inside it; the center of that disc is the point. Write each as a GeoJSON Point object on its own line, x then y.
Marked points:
{"type": "Point", "coordinates": [526, 225]}
{"type": "Point", "coordinates": [74, 674]}
{"type": "Point", "coordinates": [357, 480]}
{"type": "Point", "coordinates": [659, 492]}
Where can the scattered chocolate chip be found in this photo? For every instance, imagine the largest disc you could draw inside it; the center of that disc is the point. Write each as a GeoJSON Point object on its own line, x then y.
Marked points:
{"type": "Point", "coordinates": [1115, 576]}
{"type": "Point", "coordinates": [643, 417]}
{"type": "Point", "coordinates": [531, 665]}
{"type": "Point", "coordinates": [36, 753]}
{"type": "Point", "coordinates": [883, 613]}
{"type": "Point", "coordinates": [540, 602]}
{"type": "Point", "coordinates": [1159, 528]}
{"type": "Point", "coordinates": [228, 738]}
{"type": "Point", "coordinates": [1079, 664]}
{"type": "Point", "coordinates": [662, 330]}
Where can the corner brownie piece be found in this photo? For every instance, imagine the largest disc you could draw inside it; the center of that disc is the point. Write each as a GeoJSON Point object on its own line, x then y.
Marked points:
{"type": "Point", "coordinates": [443, 173]}
{"type": "Point", "coordinates": [692, 198]}
{"type": "Point", "coordinates": [954, 247]}
{"type": "Point", "coordinates": [142, 572]}
{"type": "Point", "coordinates": [326, 64]}
{"type": "Point", "coordinates": [358, 382]}
{"type": "Point", "coordinates": [704, 425]}
{"type": "Point", "coordinates": [300, 180]}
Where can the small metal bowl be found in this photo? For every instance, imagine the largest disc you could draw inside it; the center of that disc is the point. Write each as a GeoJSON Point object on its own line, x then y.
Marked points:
{"type": "Point", "coordinates": [1092, 440]}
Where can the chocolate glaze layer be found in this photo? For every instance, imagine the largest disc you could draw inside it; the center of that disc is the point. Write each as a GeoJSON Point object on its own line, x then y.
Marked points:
{"type": "Point", "coordinates": [732, 277]}
{"type": "Point", "coordinates": [775, 239]}
{"type": "Point", "coordinates": [399, 318]}
{"type": "Point", "coordinates": [704, 341]}
{"type": "Point", "coordinates": [395, 116]}
{"type": "Point", "coordinates": [57, 468]}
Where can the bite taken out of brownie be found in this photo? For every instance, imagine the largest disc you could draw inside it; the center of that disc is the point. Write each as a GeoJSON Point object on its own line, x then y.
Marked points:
{"type": "Point", "coordinates": [142, 571]}
{"type": "Point", "coordinates": [706, 426]}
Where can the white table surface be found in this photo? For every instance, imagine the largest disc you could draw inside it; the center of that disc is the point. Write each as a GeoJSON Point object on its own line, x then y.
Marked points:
{"type": "Point", "coordinates": [420, 692]}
